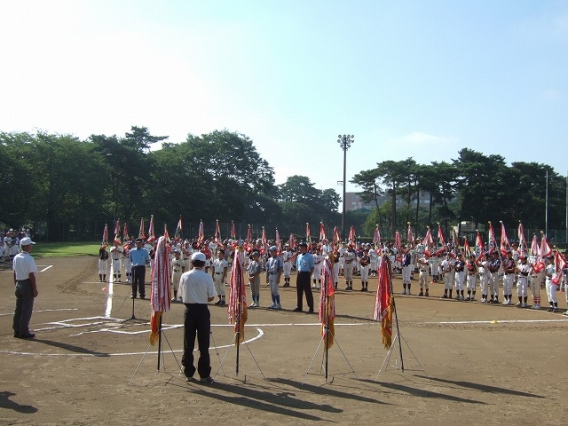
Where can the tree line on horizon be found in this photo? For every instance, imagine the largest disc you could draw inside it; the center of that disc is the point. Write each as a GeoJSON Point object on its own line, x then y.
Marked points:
{"type": "Point", "coordinates": [51, 179]}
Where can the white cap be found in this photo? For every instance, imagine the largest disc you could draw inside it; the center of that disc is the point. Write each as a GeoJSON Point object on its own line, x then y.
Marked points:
{"type": "Point", "coordinates": [26, 241]}
{"type": "Point", "coordinates": [198, 256]}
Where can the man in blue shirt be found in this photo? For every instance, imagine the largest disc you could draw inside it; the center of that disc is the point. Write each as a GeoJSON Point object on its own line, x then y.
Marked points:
{"type": "Point", "coordinates": [304, 268]}
{"type": "Point", "coordinates": [139, 258]}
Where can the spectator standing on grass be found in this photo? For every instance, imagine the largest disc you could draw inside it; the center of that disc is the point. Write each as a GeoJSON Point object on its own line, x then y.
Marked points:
{"type": "Point", "coordinates": [24, 268]}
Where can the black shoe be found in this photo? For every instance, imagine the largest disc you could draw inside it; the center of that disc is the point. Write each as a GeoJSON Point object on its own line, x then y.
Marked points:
{"type": "Point", "coordinates": [286, 285]}
{"type": "Point", "coordinates": [206, 380]}
{"type": "Point", "coordinates": [297, 310]}
{"type": "Point", "coordinates": [142, 297]}
{"type": "Point", "coordinates": [427, 295]}
{"type": "Point", "coordinates": [420, 294]}
{"type": "Point", "coordinates": [26, 336]}
{"type": "Point", "coordinates": [16, 334]}
{"type": "Point", "coordinates": [132, 296]}
{"type": "Point", "coordinates": [311, 311]}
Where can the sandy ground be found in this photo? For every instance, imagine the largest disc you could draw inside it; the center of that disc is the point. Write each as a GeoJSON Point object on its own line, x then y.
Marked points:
{"type": "Point", "coordinates": [464, 362]}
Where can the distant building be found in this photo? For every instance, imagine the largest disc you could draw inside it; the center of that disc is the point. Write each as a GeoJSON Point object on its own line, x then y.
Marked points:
{"type": "Point", "coordinates": [354, 202]}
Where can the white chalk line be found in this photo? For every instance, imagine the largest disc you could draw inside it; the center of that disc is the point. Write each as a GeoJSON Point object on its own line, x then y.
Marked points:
{"type": "Point", "coordinates": [497, 321]}
{"type": "Point", "coordinates": [46, 268]}
{"type": "Point", "coordinates": [42, 311]}
{"type": "Point", "coordinates": [104, 355]}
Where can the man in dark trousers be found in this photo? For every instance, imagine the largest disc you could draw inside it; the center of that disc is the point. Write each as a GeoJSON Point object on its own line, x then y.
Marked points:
{"type": "Point", "coordinates": [26, 289]}
{"type": "Point", "coordinates": [197, 289]}
{"type": "Point", "coordinates": [304, 268]}
{"type": "Point", "coordinates": [139, 257]}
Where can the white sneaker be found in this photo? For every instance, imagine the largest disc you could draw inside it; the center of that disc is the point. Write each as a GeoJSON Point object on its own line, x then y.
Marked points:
{"type": "Point", "coordinates": [277, 306]}
{"type": "Point", "coordinates": [535, 307]}
{"type": "Point", "coordinates": [252, 305]}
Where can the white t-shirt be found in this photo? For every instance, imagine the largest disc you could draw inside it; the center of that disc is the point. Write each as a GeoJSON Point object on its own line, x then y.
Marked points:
{"type": "Point", "coordinates": [23, 265]}
{"type": "Point", "coordinates": [196, 286]}
{"type": "Point", "coordinates": [220, 265]}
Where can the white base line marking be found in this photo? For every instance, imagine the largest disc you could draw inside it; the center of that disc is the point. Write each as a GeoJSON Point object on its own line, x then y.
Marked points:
{"type": "Point", "coordinates": [104, 355]}
{"type": "Point", "coordinates": [46, 268]}
{"type": "Point", "coordinates": [43, 310]}
{"type": "Point", "coordinates": [499, 321]}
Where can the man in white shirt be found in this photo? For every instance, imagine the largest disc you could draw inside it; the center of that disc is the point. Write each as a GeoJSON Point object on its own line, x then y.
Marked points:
{"type": "Point", "coordinates": [24, 268]}
{"type": "Point", "coordinates": [197, 289]}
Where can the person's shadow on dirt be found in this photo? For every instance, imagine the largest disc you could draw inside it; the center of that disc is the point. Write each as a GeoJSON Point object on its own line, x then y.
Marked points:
{"type": "Point", "coordinates": [6, 402]}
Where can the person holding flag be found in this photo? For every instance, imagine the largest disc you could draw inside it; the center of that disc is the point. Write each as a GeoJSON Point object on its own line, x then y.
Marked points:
{"type": "Point", "coordinates": [197, 290]}
{"type": "Point", "coordinates": [494, 266]}
{"type": "Point", "coordinates": [483, 268]}
{"type": "Point", "coordinates": [471, 277]}
{"type": "Point", "coordinates": [103, 257]}
{"type": "Point", "coordinates": [523, 270]}
{"type": "Point", "coordinates": [116, 253]}
{"type": "Point", "coordinates": [219, 274]}
{"type": "Point", "coordinates": [509, 269]}
{"type": "Point", "coordinates": [551, 288]}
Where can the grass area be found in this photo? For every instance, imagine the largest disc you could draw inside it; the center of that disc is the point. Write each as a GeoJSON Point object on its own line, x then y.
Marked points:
{"type": "Point", "coordinates": [65, 249]}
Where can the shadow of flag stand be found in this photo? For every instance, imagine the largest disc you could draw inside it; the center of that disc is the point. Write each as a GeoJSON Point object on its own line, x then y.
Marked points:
{"type": "Point", "coordinates": [385, 311]}
{"type": "Point", "coordinates": [237, 311]}
{"type": "Point", "coordinates": [326, 315]}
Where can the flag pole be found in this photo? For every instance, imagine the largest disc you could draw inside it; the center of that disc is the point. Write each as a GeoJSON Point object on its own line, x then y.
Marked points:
{"type": "Point", "coordinates": [326, 316]}
{"type": "Point", "coordinates": [160, 343]}
{"type": "Point", "coordinates": [238, 326]}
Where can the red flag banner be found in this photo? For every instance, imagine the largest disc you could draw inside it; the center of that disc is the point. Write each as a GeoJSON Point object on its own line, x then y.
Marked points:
{"type": "Point", "coordinates": [237, 309]}
{"type": "Point", "coordinates": [397, 241]}
{"type": "Point", "coordinates": [535, 250]}
{"type": "Point", "coordinates": [410, 235]}
{"type": "Point", "coordinates": [522, 239]}
{"type": "Point", "coordinates": [117, 232]}
{"type": "Point", "coordinates": [327, 303]}
{"type": "Point", "coordinates": [545, 249]}
{"type": "Point", "coordinates": [322, 235]}
{"type": "Point", "coordinates": [377, 236]}
{"type": "Point", "coordinates": [352, 236]}
{"type": "Point", "coordinates": [105, 236]}
{"type": "Point", "coordinates": [125, 236]}
{"type": "Point", "coordinates": [559, 265]}
{"type": "Point", "coordinates": [441, 238]}
{"type": "Point", "coordinates": [160, 296]}
{"type": "Point", "coordinates": [200, 234]}
{"type": "Point", "coordinates": [292, 242]}
{"type": "Point", "coordinates": [383, 303]}
{"type": "Point", "coordinates": [466, 248]}
{"type": "Point", "coordinates": [492, 240]}
{"type": "Point", "coordinates": [151, 234]}
{"type": "Point", "coordinates": [264, 242]}
{"type": "Point", "coordinates": [141, 230]}
{"type": "Point", "coordinates": [504, 241]}
{"type": "Point", "coordinates": [478, 245]}
{"type": "Point", "coordinates": [336, 237]}
{"type": "Point", "coordinates": [233, 231]}
{"type": "Point", "coordinates": [179, 230]}
{"type": "Point", "coordinates": [308, 233]}
{"type": "Point", "coordinates": [217, 237]}
{"type": "Point", "coordinates": [428, 241]}
{"type": "Point", "coordinates": [278, 243]}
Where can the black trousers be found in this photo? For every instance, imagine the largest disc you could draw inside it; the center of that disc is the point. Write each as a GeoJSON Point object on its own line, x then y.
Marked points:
{"type": "Point", "coordinates": [138, 284]}
{"type": "Point", "coordinates": [303, 285]}
{"type": "Point", "coordinates": [197, 322]}
{"type": "Point", "coordinates": [24, 307]}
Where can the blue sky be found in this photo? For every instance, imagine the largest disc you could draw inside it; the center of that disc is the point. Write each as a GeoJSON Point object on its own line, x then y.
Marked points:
{"type": "Point", "coordinates": [418, 79]}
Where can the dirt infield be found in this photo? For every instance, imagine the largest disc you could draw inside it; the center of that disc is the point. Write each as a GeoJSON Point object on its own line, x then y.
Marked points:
{"type": "Point", "coordinates": [465, 362]}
